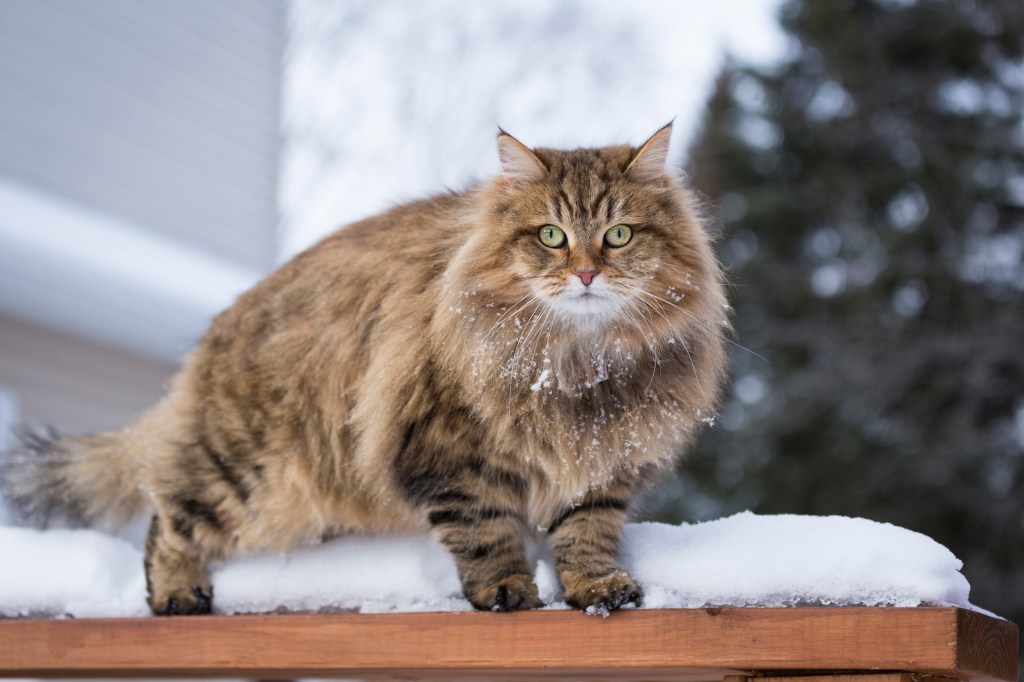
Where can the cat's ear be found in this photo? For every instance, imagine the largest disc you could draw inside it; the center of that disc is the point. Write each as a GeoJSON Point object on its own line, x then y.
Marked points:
{"type": "Point", "coordinates": [518, 163]}
{"type": "Point", "coordinates": [651, 160]}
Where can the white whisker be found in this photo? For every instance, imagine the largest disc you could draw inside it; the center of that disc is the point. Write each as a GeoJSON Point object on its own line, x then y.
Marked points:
{"type": "Point", "coordinates": [698, 320]}
{"type": "Point", "coordinates": [652, 341]}
{"type": "Point", "coordinates": [513, 310]}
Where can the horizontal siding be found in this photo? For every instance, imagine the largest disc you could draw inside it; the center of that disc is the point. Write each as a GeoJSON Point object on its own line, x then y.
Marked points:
{"type": "Point", "coordinates": [163, 112]}
{"type": "Point", "coordinates": [73, 385]}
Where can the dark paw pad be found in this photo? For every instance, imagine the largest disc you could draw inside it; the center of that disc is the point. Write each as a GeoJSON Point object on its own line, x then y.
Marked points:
{"type": "Point", "coordinates": [196, 602]}
{"type": "Point", "coordinates": [514, 593]}
{"type": "Point", "coordinates": [204, 600]}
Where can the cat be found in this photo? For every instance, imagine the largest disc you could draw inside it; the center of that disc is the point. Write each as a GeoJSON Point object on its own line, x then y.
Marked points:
{"type": "Point", "coordinates": [518, 358]}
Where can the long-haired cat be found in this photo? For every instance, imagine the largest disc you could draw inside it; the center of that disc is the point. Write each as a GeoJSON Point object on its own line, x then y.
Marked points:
{"type": "Point", "coordinates": [517, 358]}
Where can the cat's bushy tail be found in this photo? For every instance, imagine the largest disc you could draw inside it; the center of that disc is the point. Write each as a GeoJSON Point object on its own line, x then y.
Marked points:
{"type": "Point", "coordinates": [77, 481]}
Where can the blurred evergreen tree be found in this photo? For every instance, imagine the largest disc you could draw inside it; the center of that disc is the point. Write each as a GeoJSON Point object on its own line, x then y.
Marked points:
{"type": "Point", "coordinates": [871, 196]}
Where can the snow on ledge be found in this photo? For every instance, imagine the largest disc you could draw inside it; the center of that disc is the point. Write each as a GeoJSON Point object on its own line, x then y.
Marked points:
{"type": "Point", "coordinates": [742, 560]}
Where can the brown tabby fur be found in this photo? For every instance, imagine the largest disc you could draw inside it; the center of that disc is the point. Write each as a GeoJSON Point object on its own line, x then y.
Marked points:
{"type": "Point", "coordinates": [410, 372]}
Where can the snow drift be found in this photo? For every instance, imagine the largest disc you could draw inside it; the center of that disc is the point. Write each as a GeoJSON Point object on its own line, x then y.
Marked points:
{"type": "Point", "coordinates": [742, 560]}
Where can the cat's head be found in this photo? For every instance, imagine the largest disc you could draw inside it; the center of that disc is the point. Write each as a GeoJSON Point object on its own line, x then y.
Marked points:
{"type": "Point", "coordinates": [593, 237]}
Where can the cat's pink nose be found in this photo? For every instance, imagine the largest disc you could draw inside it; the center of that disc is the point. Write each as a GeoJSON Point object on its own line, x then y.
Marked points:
{"type": "Point", "coordinates": [587, 276]}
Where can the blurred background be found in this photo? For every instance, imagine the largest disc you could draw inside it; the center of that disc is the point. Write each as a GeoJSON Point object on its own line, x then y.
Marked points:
{"type": "Point", "coordinates": [863, 161]}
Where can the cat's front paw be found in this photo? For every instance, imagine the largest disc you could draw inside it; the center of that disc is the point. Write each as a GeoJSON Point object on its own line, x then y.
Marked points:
{"type": "Point", "coordinates": [512, 593]}
{"type": "Point", "coordinates": [191, 602]}
{"type": "Point", "coordinates": [602, 594]}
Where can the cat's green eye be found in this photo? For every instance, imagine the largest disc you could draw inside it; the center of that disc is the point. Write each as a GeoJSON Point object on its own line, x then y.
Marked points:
{"type": "Point", "coordinates": [618, 236]}
{"type": "Point", "coordinates": [551, 235]}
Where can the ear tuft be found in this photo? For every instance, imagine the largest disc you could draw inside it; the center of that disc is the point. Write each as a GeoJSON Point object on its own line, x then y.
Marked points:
{"type": "Point", "coordinates": [518, 163]}
{"type": "Point", "coordinates": [651, 160]}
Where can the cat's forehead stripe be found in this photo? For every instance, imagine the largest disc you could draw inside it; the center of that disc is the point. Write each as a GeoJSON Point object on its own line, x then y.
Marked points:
{"type": "Point", "coordinates": [555, 208]}
{"type": "Point", "coordinates": [564, 196]}
{"type": "Point", "coordinates": [585, 199]}
{"type": "Point", "coordinates": [600, 194]}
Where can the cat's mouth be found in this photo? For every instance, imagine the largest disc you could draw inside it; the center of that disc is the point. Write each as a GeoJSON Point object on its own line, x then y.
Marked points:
{"type": "Point", "coordinates": [587, 304]}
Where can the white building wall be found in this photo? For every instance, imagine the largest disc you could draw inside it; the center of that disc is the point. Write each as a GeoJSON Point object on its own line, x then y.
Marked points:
{"type": "Point", "coordinates": [138, 182]}
{"type": "Point", "coordinates": [162, 113]}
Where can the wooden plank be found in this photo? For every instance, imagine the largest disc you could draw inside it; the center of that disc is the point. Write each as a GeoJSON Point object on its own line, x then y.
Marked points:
{"type": "Point", "coordinates": [683, 644]}
{"type": "Point", "coordinates": [984, 645]}
{"type": "Point", "coordinates": [855, 677]}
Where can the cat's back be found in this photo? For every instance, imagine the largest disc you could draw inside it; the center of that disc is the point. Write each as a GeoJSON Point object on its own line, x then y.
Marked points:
{"type": "Point", "coordinates": [325, 314]}
{"type": "Point", "coordinates": [404, 246]}
{"type": "Point", "coordinates": [351, 271]}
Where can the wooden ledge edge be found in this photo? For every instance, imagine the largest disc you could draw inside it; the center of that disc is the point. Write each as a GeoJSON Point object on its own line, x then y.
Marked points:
{"type": "Point", "coordinates": [987, 647]}
{"type": "Point", "coordinates": [689, 644]}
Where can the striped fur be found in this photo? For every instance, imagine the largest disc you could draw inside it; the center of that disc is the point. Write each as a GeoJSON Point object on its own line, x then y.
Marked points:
{"type": "Point", "coordinates": [418, 370]}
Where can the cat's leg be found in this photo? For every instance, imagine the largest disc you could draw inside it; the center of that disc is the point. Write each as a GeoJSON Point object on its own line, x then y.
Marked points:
{"type": "Point", "coordinates": [204, 496]}
{"type": "Point", "coordinates": [176, 580]}
{"type": "Point", "coordinates": [476, 510]}
{"type": "Point", "coordinates": [487, 543]}
{"type": "Point", "coordinates": [585, 539]}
